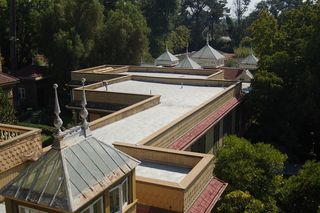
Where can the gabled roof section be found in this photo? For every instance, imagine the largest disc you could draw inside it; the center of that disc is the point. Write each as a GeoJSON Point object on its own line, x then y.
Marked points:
{"type": "Point", "coordinates": [187, 62]}
{"type": "Point", "coordinates": [6, 79]}
{"type": "Point", "coordinates": [68, 178]}
{"type": "Point", "coordinates": [251, 60]}
{"type": "Point", "coordinates": [207, 52]}
{"type": "Point", "coordinates": [167, 58]}
{"type": "Point", "coordinates": [33, 72]}
{"type": "Point", "coordinates": [246, 75]}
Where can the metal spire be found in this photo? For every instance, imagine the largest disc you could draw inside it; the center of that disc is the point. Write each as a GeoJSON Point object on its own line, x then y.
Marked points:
{"type": "Point", "coordinates": [207, 38]}
{"type": "Point", "coordinates": [105, 84]}
{"type": "Point", "coordinates": [187, 51]}
{"type": "Point", "coordinates": [84, 112]}
{"type": "Point", "coordinates": [57, 120]}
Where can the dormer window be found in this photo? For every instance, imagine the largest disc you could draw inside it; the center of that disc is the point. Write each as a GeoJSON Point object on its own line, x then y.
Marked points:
{"type": "Point", "coordinates": [119, 197]}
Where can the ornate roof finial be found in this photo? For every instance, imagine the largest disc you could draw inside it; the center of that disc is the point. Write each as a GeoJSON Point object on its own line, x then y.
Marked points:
{"type": "Point", "coordinates": [84, 112]}
{"type": "Point", "coordinates": [167, 47]}
{"type": "Point", "coordinates": [57, 120]}
{"type": "Point", "coordinates": [207, 38]}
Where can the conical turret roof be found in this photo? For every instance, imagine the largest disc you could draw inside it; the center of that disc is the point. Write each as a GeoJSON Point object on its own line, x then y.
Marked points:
{"type": "Point", "coordinates": [250, 60]}
{"type": "Point", "coordinates": [207, 52]}
{"type": "Point", "coordinates": [187, 62]}
{"type": "Point", "coordinates": [167, 59]}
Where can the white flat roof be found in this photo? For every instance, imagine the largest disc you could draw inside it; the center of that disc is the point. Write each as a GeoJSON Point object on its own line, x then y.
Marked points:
{"type": "Point", "coordinates": [161, 171]}
{"type": "Point", "coordinates": [174, 102]}
{"type": "Point", "coordinates": [167, 75]}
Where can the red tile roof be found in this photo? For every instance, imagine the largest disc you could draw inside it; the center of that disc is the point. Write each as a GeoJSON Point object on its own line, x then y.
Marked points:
{"type": "Point", "coordinates": [6, 79]}
{"type": "Point", "coordinates": [209, 196]}
{"type": "Point", "coordinates": [231, 74]}
{"type": "Point", "coordinates": [192, 135]}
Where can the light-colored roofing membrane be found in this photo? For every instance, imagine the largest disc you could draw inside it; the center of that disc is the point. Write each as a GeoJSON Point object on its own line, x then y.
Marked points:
{"type": "Point", "coordinates": [207, 52]}
{"type": "Point", "coordinates": [163, 172]}
{"type": "Point", "coordinates": [250, 59]}
{"type": "Point", "coordinates": [68, 178]}
{"type": "Point", "coordinates": [174, 102]}
{"type": "Point", "coordinates": [187, 62]}
{"type": "Point", "coordinates": [166, 75]}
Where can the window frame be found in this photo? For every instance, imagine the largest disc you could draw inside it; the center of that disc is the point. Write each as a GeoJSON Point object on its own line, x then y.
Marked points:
{"type": "Point", "coordinates": [119, 187]}
{"type": "Point", "coordinates": [22, 93]}
{"type": "Point", "coordinates": [29, 209]}
{"type": "Point", "coordinates": [90, 207]}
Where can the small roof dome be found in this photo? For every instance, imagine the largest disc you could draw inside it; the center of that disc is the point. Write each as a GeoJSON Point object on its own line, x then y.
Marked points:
{"type": "Point", "coordinates": [166, 59]}
{"type": "Point", "coordinates": [250, 60]}
{"type": "Point", "coordinates": [207, 52]}
{"type": "Point", "coordinates": [187, 62]}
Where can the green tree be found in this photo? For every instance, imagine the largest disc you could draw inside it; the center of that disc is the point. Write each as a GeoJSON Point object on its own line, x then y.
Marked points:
{"type": "Point", "coordinates": [288, 51]}
{"type": "Point", "coordinates": [4, 30]}
{"type": "Point", "coordinates": [6, 109]}
{"type": "Point", "coordinates": [176, 40]}
{"type": "Point", "coordinates": [276, 7]}
{"type": "Point", "coordinates": [265, 34]}
{"type": "Point", "coordinates": [202, 17]}
{"type": "Point", "coordinates": [161, 17]}
{"type": "Point", "coordinates": [250, 167]}
{"type": "Point", "coordinates": [125, 38]}
{"type": "Point", "coordinates": [241, 6]}
{"type": "Point", "coordinates": [301, 192]}
{"type": "Point", "coordinates": [240, 202]}
{"type": "Point", "coordinates": [68, 31]}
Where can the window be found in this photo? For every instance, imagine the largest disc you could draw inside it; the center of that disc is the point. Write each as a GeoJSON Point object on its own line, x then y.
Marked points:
{"type": "Point", "coordinates": [22, 92]}
{"type": "Point", "coordinates": [23, 209]}
{"type": "Point", "coordinates": [119, 197]}
{"type": "Point", "coordinates": [216, 137]}
{"type": "Point", "coordinates": [199, 145]}
{"type": "Point", "coordinates": [96, 207]}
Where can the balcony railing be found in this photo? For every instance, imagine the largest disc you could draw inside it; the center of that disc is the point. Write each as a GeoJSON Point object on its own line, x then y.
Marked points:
{"type": "Point", "coordinates": [9, 132]}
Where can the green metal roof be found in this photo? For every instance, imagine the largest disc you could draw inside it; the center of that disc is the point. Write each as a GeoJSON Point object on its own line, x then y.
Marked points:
{"type": "Point", "coordinates": [69, 177]}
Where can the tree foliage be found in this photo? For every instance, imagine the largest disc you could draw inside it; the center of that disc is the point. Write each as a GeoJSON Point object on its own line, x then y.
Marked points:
{"type": "Point", "coordinates": [203, 17]}
{"type": "Point", "coordinates": [6, 109]}
{"type": "Point", "coordinates": [250, 167]}
{"type": "Point", "coordinates": [67, 35]}
{"type": "Point", "coordinates": [288, 52]}
{"type": "Point", "coordinates": [266, 37]}
{"type": "Point", "coordinates": [240, 202]}
{"type": "Point", "coordinates": [125, 38]}
{"type": "Point", "coordinates": [160, 16]}
{"type": "Point", "coordinates": [301, 192]}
